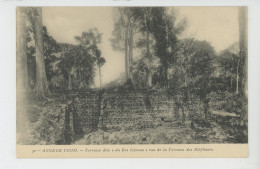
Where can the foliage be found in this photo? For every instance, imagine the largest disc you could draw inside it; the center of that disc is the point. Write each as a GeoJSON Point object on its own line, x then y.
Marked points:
{"type": "Point", "coordinates": [91, 40]}
{"type": "Point", "coordinates": [51, 48]}
{"type": "Point", "coordinates": [155, 36]}
{"type": "Point", "coordinates": [139, 73]}
{"type": "Point", "coordinates": [201, 68]}
{"type": "Point", "coordinates": [78, 63]}
{"type": "Point", "coordinates": [229, 102]}
{"type": "Point", "coordinates": [165, 31]}
{"type": "Point", "coordinates": [57, 82]}
{"type": "Point", "coordinates": [123, 20]}
{"type": "Point", "coordinates": [228, 63]}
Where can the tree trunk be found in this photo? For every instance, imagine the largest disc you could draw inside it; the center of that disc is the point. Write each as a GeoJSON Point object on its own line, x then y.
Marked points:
{"type": "Point", "coordinates": [21, 70]}
{"type": "Point", "coordinates": [226, 80]}
{"type": "Point", "coordinates": [126, 39]}
{"type": "Point", "coordinates": [166, 75]}
{"type": "Point", "coordinates": [131, 41]}
{"type": "Point", "coordinates": [70, 82]}
{"type": "Point", "coordinates": [149, 71]}
{"type": "Point", "coordinates": [237, 77]}
{"type": "Point", "coordinates": [148, 55]}
{"type": "Point", "coordinates": [42, 83]}
{"type": "Point", "coordinates": [126, 56]}
{"type": "Point", "coordinates": [206, 106]}
{"type": "Point", "coordinates": [186, 94]}
{"type": "Point", "coordinates": [243, 49]}
{"type": "Point", "coordinates": [167, 53]}
{"type": "Point", "coordinates": [149, 78]}
{"type": "Point", "coordinates": [161, 76]}
{"type": "Point", "coordinates": [100, 84]}
{"type": "Point", "coordinates": [231, 83]}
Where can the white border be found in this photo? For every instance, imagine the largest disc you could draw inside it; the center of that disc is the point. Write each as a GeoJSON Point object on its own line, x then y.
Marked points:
{"type": "Point", "coordinates": [8, 92]}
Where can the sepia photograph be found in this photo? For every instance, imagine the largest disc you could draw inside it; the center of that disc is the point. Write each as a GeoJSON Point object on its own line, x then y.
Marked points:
{"type": "Point", "coordinates": [131, 75]}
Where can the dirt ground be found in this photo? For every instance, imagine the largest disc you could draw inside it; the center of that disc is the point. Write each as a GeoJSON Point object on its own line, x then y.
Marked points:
{"type": "Point", "coordinates": [165, 134]}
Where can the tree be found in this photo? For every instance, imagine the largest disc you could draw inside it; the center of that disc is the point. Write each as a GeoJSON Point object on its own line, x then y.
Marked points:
{"type": "Point", "coordinates": [243, 60]}
{"type": "Point", "coordinates": [50, 48]}
{"type": "Point", "coordinates": [123, 37]}
{"type": "Point", "coordinates": [157, 37]}
{"type": "Point", "coordinates": [42, 86]}
{"type": "Point", "coordinates": [243, 49]}
{"type": "Point", "coordinates": [201, 70]}
{"type": "Point", "coordinates": [228, 63]}
{"type": "Point", "coordinates": [147, 15]}
{"type": "Point", "coordinates": [21, 69]}
{"type": "Point", "coordinates": [100, 62]}
{"type": "Point", "coordinates": [181, 79]}
{"type": "Point", "coordinates": [192, 73]}
{"type": "Point", "coordinates": [77, 67]}
{"type": "Point", "coordinates": [142, 16]}
{"type": "Point", "coordinates": [165, 30]}
{"type": "Point", "coordinates": [22, 72]}
{"type": "Point", "coordinates": [187, 48]}
{"type": "Point", "coordinates": [90, 40]}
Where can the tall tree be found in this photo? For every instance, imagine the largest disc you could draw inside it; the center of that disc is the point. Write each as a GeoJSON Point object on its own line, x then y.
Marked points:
{"type": "Point", "coordinates": [22, 72]}
{"type": "Point", "coordinates": [21, 69]}
{"type": "Point", "coordinates": [228, 63]}
{"type": "Point", "coordinates": [187, 48]}
{"type": "Point", "coordinates": [77, 67]}
{"type": "Point", "coordinates": [243, 49]}
{"type": "Point", "coordinates": [51, 47]}
{"type": "Point", "coordinates": [123, 37]}
{"type": "Point", "coordinates": [192, 73]}
{"type": "Point", "coordinates": [165, 31]}
{"type": "Point", "coordinates": [142, 16]}
{"type": "Point", "coordinates": [91, 40]}
{"type": "Point", "coordinates": [201, 70]}
{"type": "Point", "coordinates": [42, 86]}
{"type": "Point", "coordinates": [100, 62]}
{"type": "Point", "coordinates": [147, 20]}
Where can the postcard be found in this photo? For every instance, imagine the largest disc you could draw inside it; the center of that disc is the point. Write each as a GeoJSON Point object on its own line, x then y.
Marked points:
{"type": "Point", "coordinates": [132, 82]}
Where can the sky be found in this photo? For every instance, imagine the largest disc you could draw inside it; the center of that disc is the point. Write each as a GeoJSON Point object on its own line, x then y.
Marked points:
{"type": "Point", "coordinates": [217, 25]}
